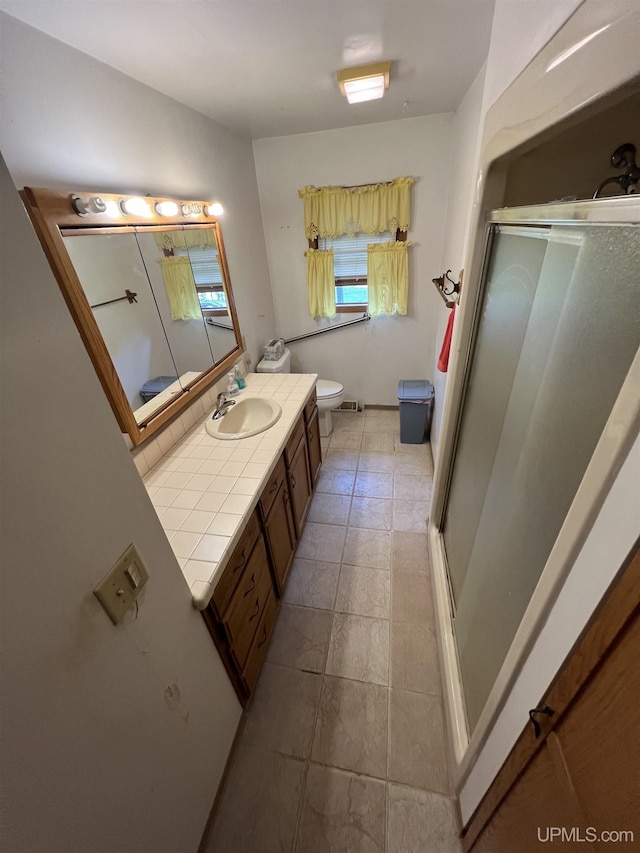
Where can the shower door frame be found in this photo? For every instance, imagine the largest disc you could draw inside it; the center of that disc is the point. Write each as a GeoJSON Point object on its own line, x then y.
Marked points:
{"type": "Point", "coordinates": [612, 448]}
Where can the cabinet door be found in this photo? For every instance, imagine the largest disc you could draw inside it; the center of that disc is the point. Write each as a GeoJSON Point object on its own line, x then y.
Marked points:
{"type": "Point", "coordinates": [315, 449]}
{"type": "Point", "coordinates": [281, 537]}
{"type": "Point", "coordinates": [300, 485]}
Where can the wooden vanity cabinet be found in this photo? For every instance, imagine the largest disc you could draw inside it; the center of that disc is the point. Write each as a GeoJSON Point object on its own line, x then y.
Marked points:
{"type": "Point", "coordinates": [242, 612]}
{"type": "Point", "coordinates": [299, 475]}
{"type": "Point", "coordinates": [278, 524]}
{"type": "Point", "coordinates": [314, 448]}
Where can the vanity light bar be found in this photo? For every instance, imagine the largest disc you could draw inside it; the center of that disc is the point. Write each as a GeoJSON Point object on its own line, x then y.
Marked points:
{"type": "Point", "coordinates": [144, 207]}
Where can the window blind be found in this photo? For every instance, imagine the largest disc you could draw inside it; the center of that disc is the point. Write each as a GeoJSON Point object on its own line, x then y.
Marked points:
{"type": "Point", "coordinates": [350, 253]}
{"type": "Point", "coordinates": [204, 263]}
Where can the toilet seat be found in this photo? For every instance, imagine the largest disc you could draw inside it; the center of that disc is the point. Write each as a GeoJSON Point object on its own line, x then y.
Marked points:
{"type": "Point", "coordinates": [326, 389]}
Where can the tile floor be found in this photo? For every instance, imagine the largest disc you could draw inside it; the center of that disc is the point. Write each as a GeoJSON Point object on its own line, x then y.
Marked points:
{"type": "Point", "coordinates": [342, 747]}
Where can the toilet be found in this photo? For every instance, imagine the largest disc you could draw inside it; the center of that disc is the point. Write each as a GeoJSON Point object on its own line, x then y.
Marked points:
{"type": "Point", "coordinates": [330, 394]}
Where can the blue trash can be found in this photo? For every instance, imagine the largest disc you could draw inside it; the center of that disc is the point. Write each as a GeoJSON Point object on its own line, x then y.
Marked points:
{"type": "Point", "coordinates": [415, 398]}
{"type": "Point", "coordinates": [154, 386]}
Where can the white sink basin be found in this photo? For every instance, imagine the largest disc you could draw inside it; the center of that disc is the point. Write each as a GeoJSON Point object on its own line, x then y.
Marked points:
{"type": "Point", "coordinates": [247, 417]}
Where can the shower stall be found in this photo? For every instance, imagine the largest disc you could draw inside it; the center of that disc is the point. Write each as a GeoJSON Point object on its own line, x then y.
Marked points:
{"type": "Point", "coordinates": [556, 328]}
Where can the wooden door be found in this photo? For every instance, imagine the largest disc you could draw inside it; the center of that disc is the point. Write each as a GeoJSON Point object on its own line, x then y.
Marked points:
{"type": "Point", "coordinates": [314, 447]}
{"type": "Point", "coordinates": [300, 485]}
{"type": "Point", "coordinates": [281, 537]}
{"type": "Point", "coordinates": [578, 785]}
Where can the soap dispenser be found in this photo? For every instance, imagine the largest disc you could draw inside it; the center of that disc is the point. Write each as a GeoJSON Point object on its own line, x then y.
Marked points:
{"type": "Point", "coordinates": [232, 385]}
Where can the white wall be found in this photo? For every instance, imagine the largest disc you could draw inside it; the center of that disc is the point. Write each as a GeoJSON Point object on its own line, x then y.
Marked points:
{"type": "Point", "coordinates": [70, 122]}
{"type": "Point", "coordinates": [467, 123]}
{"type": "Point", "coordinates": [95, 752]}
{"type": "Point", "coordinates": [370, 358]}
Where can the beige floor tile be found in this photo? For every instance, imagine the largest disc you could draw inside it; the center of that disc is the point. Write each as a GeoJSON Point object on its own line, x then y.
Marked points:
{"type": "Point", "coordinates": [335, 481]}
{"type": "Point", "coordinates": [412, 599]}
{"type": "Point", "coordinates": [372, 484]}
{"type": "Point", "coordinates": [300, 638]}
{"type": "Point", "coordinates": [412, 487]}
{"type": "Point", "coordinates": [411, 516]}
{"type": "Point", "coordinates": [423, 450]}
{"type": "Point", "coordinates": [409, 552]}
{"type": "Point", "coordinates": [351, 729]}
{"type": "Point", "coordinates": [259, 807]}
{"type": "Point", "coordinates": [412, 463]}
{"type": "Point", "coordinates": [421, 822]}
{"type": "Point", "coordinates": [416, 743]}
{"type": "Point", "coordinates": [359, 648]}
{"type": "Point", "coordinates": [373, 513]}
{"type": "Point", "coordinates": [384, 422]}
{"type": "Point", "coordinates": [343, 460]}
{"type": "Point", "coordinates": [329, 509]}
{"type": "Point", "coordinates": [345, 440]}
{"type": "Point", "coordinates": [283, 710]}
{"type": "Point", "coordinates": [312, 583]}
{"type": "Point", "coordinates": [376, 462]}
{"type": "Point", "coordinates": [414, 658]}
{"type": "Point", "coordinates": [322, 542]}
{"type": "Point", "coordinates": [347, 421]}
{"type": "Point", "coordinates": [341, 813]}
{"type": "Point", "coordinates": [377, 442]}
{"type": "Point", "coordinates": [364, 591]}
{"type": "Point", "coordinates": [367, 548]}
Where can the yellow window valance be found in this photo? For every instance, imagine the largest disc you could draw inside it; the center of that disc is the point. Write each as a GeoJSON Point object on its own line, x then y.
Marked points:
{"type": "Point", "coordinates": [321, 285]}
{"type": "Point", "coordinates": [370, 209]}
{"type": "Point", "coordinates": [181, 288]}
{"type": "Point", "coordinates": [191, 238]}
{"type": "Point", "coordinates": [388, 277]}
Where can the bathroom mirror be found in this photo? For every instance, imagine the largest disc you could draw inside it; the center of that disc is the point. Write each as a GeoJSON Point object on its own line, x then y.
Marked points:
{"type": "Point", "coordinates": [147, 283]}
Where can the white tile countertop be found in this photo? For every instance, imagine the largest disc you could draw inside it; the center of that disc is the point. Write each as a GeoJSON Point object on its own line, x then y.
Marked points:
{"type": "Point", "coordinates": [205, 489]}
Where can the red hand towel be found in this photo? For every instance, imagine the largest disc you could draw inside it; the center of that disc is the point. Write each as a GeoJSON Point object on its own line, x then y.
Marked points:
{"type": "Point", "coordinates": [443, 361]}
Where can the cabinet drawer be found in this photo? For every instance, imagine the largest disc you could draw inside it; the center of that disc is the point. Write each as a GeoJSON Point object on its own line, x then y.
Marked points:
{"type": "Point", "coordinates": [248, 602]}
{"type": "Point", "coordinates": [260, 643]}
{"type": "Point", "coordinates": [310, 406]}
{"type": "Point", "coordinates": [294, 441]}
{"type": "Point", "coordinates": [268, 496]}
{"type": "Point", "coordinates": [237, 562]}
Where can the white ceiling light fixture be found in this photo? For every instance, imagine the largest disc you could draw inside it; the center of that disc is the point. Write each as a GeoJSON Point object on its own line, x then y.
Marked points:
{"type": "Point", "coordinates": [364, 82]}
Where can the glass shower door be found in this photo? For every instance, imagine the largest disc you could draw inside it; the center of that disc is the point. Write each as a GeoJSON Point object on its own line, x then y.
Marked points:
{"type": "Point", "coordinates": [558, 329]}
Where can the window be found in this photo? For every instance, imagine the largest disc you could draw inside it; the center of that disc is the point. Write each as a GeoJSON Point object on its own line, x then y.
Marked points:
{"type": "Point", "coordinates": [350, 267]}
{"type": "Point", "coordinates": [208, 278]}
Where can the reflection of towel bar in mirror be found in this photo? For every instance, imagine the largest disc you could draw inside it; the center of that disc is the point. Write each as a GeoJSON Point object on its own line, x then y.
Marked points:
{"type": "Point", "coordinates": [128, 295]}
{"type": "Point", "coordinates": [445, 290]}
{"type": "Point", "coordinates": [172, 265]}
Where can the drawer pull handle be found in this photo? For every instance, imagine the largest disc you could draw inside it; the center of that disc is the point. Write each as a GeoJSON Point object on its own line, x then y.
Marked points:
{"type": "Point", "coordinates": [241, 563]}
{"type": "Point", "coordinates": [293, 482]}
{"type": "Point", "coordinates": [256, 611]}
{"type": "Point", "coordinates": [264, 636]}
{"type": "Point", "coordinates": [287, 496]}
{"type": "Point", "coordinates": [273, 487]}
{"type": "Point", "coordinates": [252, 587]}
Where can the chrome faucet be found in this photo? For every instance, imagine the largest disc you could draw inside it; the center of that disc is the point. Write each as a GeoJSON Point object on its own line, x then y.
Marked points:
{"type": "Point", "coordinates": [222, 404]}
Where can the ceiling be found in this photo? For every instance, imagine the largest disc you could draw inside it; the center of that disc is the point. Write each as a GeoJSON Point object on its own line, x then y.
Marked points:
{"type": "Point", "coordinates": [267, 67]}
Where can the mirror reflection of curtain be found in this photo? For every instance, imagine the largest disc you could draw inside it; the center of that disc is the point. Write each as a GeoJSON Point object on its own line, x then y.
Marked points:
{"type": "Point", "coordinates": [388, 277]}
{"type": "Point", "coordinates": [181, 288]}
{"type": "Point", "coordinates": [331, 212]}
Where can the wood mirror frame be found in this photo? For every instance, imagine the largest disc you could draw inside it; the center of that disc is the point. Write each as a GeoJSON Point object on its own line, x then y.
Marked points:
{"type": "Point", "coordinates": [52, 211]}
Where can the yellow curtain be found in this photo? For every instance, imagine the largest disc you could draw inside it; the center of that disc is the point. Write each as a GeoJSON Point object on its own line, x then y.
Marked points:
{"type": "Point", "coordinates": [321, 285]}
{"type": "Point", "coordinates": [388, 277]}
{"type": "Point", "coordinates": [187, 239]}
{"type": "Point", "coordinates": [371, 209]}
{"type": "Point", "coordinates": [181, 288]}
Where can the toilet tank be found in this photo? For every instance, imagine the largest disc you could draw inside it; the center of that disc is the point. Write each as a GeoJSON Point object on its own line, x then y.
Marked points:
{"type": "Point", "coordinates": [282, 365]}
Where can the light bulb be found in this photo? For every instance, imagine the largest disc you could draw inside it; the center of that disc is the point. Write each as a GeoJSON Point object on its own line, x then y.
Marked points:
{"type": "Point", "coordinates": [214, 209]}
{"type": "Point", "coordinates": [166, 208]}
{"type": "Point", "coordinates": [134, 206]}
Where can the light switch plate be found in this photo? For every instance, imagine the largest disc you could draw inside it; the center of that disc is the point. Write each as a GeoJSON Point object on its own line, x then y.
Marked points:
{"type": "Point", "coordinates": [120, 587]}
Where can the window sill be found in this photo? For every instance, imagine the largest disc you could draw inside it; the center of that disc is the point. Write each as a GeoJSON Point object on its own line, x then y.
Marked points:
{"type": "Point", "coordinates": [352, 309]}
